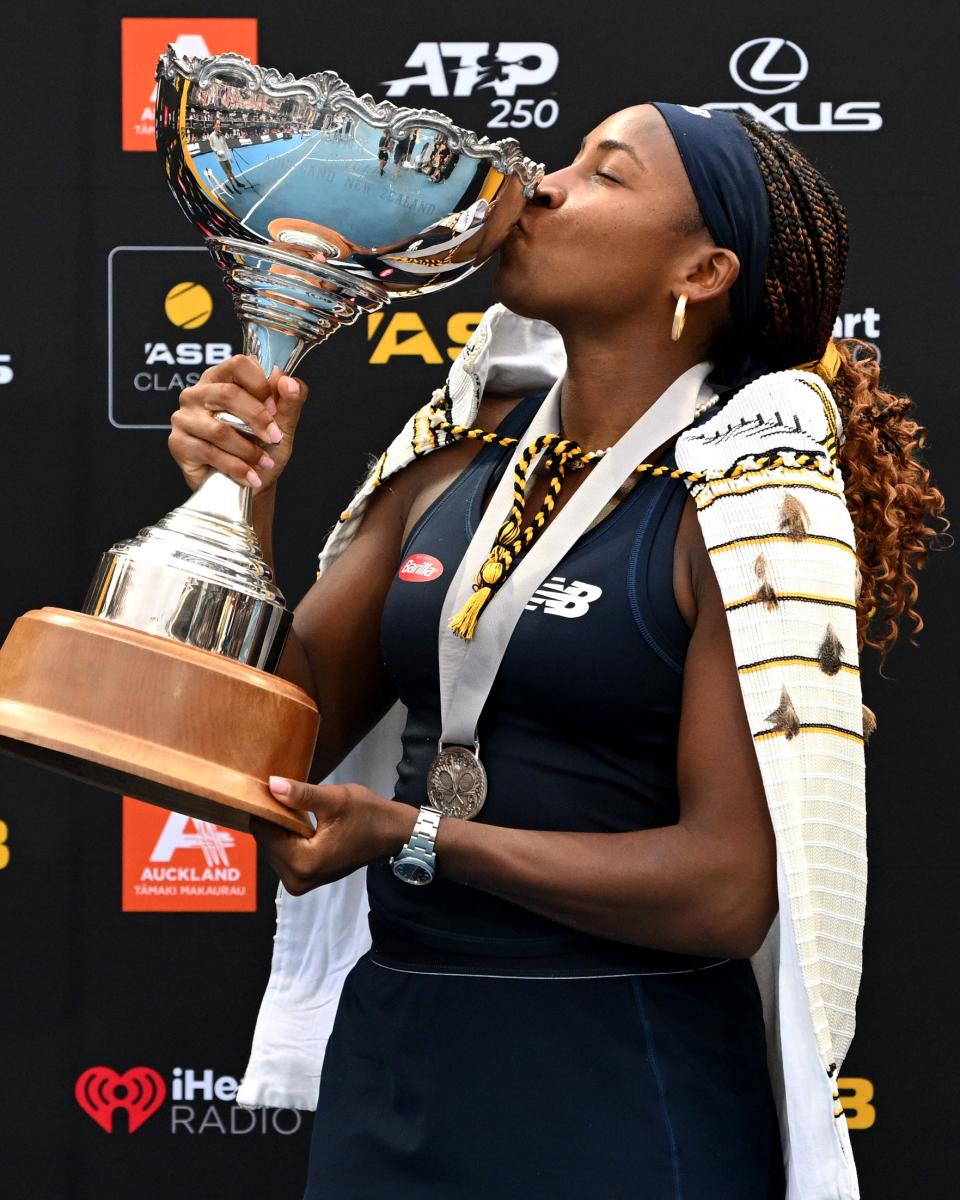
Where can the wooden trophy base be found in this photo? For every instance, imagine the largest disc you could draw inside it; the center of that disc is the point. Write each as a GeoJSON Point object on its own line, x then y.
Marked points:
{"type": "Point", "coordinates": [152, 718]}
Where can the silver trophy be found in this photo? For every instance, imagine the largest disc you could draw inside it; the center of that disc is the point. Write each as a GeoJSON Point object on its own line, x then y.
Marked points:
{"type": "Point", "coordinates": [318, 205]}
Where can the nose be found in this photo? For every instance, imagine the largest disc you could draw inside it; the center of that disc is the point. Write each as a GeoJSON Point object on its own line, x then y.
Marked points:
{"type": "Point", "coordinates": [550, 192]}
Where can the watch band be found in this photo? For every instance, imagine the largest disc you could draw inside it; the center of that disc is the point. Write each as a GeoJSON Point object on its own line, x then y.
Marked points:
{"type": "Point", "coordinates": [417, 861]}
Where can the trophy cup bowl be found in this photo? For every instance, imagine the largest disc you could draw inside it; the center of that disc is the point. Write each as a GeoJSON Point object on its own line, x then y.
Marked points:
{"type": "Point", "coordinates": [318, 205]}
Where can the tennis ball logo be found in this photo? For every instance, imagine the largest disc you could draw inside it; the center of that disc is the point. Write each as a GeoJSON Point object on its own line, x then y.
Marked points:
{"type": "Point", "coordinates": [188, 305]}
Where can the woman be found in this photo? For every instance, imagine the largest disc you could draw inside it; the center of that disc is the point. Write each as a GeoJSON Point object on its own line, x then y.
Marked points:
{"type": "Point", "coordinates": [569, 1006]}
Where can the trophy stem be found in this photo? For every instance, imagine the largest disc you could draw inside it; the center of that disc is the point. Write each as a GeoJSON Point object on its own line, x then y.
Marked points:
{"type": "Point", "coordinates": [221, 499]}
{"type": "Point", "coordinates": [274, 348]}
{"type": "Point", "coordinates": [197, 576]}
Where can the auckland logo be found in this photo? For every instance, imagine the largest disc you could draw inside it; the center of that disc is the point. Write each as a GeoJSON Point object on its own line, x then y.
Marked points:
{"type": "Point", "coordinates": [768, 67]}
{"type": "Point", "coordinates": [176, 863]}
{"type": "Point", "coordinates": [561, 599]}
{"type": "Point", "coordinates": [212, 841]}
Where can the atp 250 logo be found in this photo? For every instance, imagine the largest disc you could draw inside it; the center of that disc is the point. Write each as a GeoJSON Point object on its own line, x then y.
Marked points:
{"type": "Point", "coordinates": [482, 68]}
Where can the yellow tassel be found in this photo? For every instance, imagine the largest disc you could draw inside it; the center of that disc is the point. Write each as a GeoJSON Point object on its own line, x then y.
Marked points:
{"type": "Point", "coordinates": [491, 572]}
{"type": "Point", "coordinates": [464, 623]}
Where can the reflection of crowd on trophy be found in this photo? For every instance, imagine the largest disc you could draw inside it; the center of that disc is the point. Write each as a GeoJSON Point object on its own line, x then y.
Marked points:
{"type": "Point", "coordinates": [432, 158]}
{"type": "Point", "coordinates": [244, 114]}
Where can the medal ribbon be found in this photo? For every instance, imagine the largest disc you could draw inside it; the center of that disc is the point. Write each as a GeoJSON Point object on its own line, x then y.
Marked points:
{"type": "Point", "coordinates": [469, 667]}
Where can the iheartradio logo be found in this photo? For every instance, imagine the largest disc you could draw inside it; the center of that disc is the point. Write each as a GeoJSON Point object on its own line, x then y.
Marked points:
{"type": "Point", "coordinates": [100, 1091]}
{"type": "Point", "coordinates": [420, 568]}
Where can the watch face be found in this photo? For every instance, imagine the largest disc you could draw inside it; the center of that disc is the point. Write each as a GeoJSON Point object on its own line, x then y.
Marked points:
{"type": "Point", "coordinates": [411, 871]}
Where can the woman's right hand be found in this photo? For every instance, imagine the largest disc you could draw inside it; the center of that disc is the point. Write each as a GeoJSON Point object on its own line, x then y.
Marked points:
{"type": "Point", "coordinates": [271, 407]}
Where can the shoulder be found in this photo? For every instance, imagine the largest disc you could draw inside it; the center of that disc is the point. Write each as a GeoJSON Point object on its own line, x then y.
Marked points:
{"type": "Point", "coordinates": [422, 480]}
{"type": "Point", "coordinates": [788, 412]}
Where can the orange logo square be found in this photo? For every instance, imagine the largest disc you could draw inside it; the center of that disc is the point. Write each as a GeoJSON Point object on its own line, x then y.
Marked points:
{"type": "Point", "coordinates": [144, 39]}
{"type": "Point", "coordinates": [173, 863]}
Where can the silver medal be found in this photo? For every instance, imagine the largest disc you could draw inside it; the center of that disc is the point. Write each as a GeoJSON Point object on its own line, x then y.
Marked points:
{"type": "Point", "coordinates": [457, 782]}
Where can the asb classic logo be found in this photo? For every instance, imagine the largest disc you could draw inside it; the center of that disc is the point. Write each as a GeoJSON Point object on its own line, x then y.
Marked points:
{"type": "Point", "coordinates": [405, 334]}
{"type": "Point", "coordinates": [144, 39]}
{"type": "Point", "coordinates": [198, 1098]}
{"type": "Point", "coordinates": [175, 863]}
{"type": "Point", "coordinates": [169, 317]}
{"type": "Point", "coordinates": [769, 67]}
{"type": "Point", "coordinates": [498, 71]}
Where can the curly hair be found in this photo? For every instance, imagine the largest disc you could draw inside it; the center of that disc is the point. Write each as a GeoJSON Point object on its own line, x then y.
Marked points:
{"type": "Point", "coordinates": [896, 511]}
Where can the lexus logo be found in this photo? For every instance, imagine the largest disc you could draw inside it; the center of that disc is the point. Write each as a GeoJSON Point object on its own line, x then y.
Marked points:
{"type": "Point", "coordinates": [750, 65]}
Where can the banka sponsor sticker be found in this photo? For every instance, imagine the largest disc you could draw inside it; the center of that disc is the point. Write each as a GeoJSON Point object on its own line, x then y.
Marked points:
{"type": "Point", "coordinates": [169, 317]}
{"type": "Point", "coordinates": [175, 863]}
{"type": "Point", "coordinates": [144, 39]}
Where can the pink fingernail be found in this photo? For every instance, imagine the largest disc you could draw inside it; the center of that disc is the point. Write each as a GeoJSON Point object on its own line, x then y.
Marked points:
{"type": "Point", "coordinates": [273, 433]}
{"type": "Point", "coordinates": [254, 479]}
{"type": "Point", "coordinates": [266, 462]}
{"type": "Point", "coordinates": [279, 786]}
{"type": "Point", "coordinates": [271, 406]}
{"type": "Point", "coordinates": [289, 386]}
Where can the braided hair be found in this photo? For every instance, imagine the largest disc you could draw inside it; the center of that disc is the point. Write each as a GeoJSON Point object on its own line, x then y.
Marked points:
{"type": "Point", "coordinates": [896, 511]}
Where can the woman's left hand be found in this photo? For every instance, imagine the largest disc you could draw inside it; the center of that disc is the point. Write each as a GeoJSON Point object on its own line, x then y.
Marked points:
{"type": "Point", "coordinates": [355, 826]}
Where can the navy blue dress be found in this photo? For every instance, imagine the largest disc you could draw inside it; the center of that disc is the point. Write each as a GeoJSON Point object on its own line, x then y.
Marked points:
{"type": "Point", "coordinates": [481, 1050]}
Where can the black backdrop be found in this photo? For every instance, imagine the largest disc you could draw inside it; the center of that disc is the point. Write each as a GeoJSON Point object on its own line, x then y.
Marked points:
{"type": "Point", "coordinates": [85, 983]}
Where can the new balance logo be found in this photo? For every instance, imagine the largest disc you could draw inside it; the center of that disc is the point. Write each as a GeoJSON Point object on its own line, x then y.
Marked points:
{"type": "Point", "coordinates": [562, 599]}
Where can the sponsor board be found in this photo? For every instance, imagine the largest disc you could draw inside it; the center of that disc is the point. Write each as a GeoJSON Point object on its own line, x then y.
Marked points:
{"type": "Point", "coordinates": [405, 334]}
{"type": "Point", "coordinates": [858, 1099]}
{"type": "Point", "coordinates": [769, 68]}
{"type": "Point", "coordinates": [175, 863]}
{"type": "Point", "coordinates": [201, 1102]}
{"type": "Point", "coordinates": [864, 324]}
{"type": "Point", "coordinates": [498, 70]}
{"type": "Point", "coordinates": [169, 317]}
{"type": "Point", "coordinates": [144, 39]}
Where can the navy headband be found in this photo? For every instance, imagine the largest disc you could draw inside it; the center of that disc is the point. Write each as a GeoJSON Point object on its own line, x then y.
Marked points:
{"type": "Point", "coordinates": [725, 176]}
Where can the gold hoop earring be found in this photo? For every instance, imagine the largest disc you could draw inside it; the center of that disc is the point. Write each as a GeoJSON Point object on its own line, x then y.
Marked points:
{"type": "Point", "coordinates": [679, 318]}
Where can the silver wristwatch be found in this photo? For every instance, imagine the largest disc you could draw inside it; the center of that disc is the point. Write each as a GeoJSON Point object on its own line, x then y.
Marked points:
{"type": "Point", "coordinates": [417, 861]}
